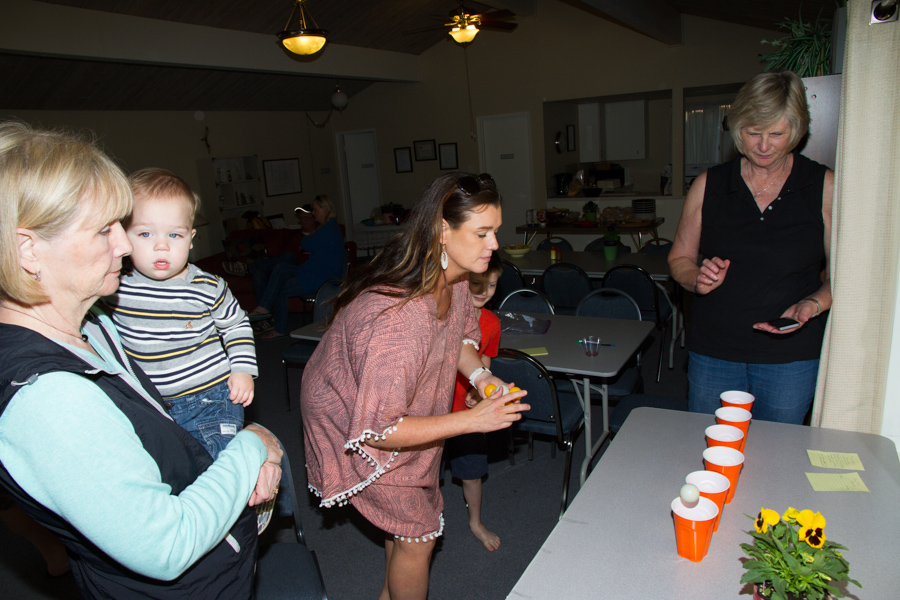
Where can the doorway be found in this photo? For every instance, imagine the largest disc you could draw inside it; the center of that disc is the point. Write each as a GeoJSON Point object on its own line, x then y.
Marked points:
{"type": "Point", "coordinates": [358, 161]}
{"type": "Point", "coordinates": [504, 151]}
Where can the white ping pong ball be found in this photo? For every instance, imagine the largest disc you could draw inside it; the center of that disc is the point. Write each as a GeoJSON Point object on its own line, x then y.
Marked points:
{"type": "Point", "coordinates": [690, 495]}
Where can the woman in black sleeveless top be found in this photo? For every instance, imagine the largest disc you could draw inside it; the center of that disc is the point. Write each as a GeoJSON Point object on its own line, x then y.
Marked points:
{"type": "Point", "coordinates": [753, 245]}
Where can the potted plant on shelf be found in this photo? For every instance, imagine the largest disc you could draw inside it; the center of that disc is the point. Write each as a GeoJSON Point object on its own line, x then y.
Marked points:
{"type": "Point", "coordinates": [590, 210]}
{"type": "Point", "coordinates": [791, 559]}
{"type": "Point", "coordinates": [611, 242]}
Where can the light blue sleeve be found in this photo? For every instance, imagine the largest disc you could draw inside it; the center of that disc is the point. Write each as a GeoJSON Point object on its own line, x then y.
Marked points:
{"type": "Point", "coordinates": [65, 443]}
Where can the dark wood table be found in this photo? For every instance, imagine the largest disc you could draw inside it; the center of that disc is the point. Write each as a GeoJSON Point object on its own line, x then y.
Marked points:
{"type": "Point", "coordinates": [632, 228]}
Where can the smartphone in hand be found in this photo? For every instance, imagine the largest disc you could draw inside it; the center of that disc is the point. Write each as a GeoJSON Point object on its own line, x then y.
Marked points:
{"type": "Point", "coordinates": [783, 323]}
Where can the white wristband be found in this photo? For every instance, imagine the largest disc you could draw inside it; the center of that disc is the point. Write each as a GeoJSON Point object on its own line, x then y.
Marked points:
{"type": "Point", "coordinates": [476, 373]}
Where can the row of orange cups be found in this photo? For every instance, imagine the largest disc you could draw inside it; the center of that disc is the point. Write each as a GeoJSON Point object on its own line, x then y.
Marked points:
{"type": "Point", "coordinates": [699, 507]}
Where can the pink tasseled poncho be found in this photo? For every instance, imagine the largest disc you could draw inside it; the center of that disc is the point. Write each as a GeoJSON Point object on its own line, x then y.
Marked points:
{"type": "Point", "coordinates": [370, 370]}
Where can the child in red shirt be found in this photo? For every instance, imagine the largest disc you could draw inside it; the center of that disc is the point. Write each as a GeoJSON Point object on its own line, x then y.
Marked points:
{"type": "Point", "coordinates": [467, 454]}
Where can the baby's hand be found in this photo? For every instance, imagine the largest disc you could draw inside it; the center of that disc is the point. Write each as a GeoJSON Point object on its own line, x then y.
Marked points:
{"type": "Point", "coordinates": [472, 398]}
{"type": "Point", "coordinates": [241, 387]}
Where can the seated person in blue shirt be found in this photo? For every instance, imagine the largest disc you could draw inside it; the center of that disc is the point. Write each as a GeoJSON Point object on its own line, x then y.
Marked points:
{"type": "Point", "coordinates": [326, 261]}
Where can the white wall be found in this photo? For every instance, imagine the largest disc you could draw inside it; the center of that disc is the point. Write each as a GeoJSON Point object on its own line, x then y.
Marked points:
{"type": "Point", "coordinates": [561, 53]}
{"type": "Point", "coordinates": [171, 140]}
{"type": "Point", "coordinates": [890, 424]}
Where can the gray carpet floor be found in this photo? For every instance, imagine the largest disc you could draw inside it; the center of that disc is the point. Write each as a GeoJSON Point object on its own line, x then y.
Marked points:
{"type": "Point", "coordinates": [521, 504]}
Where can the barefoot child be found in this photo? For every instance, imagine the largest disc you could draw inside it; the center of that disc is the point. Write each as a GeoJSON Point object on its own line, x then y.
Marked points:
{"type": "Point", "coordinates": [467, 454]}
{"type": "Point", "coordinates": [181, 324]}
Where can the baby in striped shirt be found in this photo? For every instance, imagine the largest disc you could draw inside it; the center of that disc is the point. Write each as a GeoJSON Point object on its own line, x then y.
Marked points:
{"type": "Point", "coordinates": [181, 324]}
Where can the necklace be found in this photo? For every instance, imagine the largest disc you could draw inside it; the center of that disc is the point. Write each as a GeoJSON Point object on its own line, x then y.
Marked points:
{"type": "Point", "coordinates": [79, 336]}
{"type": "Point", "coordinates": [768, 185]}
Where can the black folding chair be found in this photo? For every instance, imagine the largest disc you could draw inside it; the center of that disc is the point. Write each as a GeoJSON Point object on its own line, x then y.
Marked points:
{"type": "Point", "coordinates": [298, 354]}
{"type": "Point", "coordinates": [555, 409]}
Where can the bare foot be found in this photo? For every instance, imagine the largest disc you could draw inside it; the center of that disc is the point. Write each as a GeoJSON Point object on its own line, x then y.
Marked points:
{"type": "Point", "coordinates": [487, 537]}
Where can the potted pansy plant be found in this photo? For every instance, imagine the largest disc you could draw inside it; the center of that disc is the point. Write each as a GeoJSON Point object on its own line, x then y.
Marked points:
{"type": "Point", "coordinates": [611, 242]}
{"type": "Point", "coordinates": [590, 210]}
{"type": "Point", "coordinates": [791, 558]}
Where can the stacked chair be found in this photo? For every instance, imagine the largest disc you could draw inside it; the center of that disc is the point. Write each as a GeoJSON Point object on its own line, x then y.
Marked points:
{"type": "Point", "coordinates": [527, 301]}
{"type": "Point", "coordinates": [510, 279]}
{"type": "Point", "coordinates": [565, 285]}
{"type": "Point", "coordinates": [652, 299]}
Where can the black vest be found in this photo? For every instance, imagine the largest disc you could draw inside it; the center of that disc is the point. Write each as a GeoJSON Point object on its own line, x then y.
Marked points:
{"type": "Point", "coordinates": [776, 259]}
{"type": "Point", "coordinates": [222, 573]}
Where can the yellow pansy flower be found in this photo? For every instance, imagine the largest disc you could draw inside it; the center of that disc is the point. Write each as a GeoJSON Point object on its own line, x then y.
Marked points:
{"type": "Point", "coordinates": [790, 514]}
{"type": "Point", "coordinates": [812, 528]}
{"type": "Point", "coordinates": [766, 518]}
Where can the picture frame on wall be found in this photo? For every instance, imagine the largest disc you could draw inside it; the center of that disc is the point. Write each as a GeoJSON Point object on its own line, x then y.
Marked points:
{"type": "Point", "coordinates": [403, 159]}
{"type": "Point", "coordinates": [447, 154]}
{"type": "Point", "coordinates": [282, 176]}
{"type": "Point", "coordinates": [425, 150]}
{"type": "Point", "coordinates": [570, 138]}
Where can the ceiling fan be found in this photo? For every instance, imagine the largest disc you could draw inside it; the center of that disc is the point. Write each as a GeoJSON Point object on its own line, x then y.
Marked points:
{"type": "Point", "coordinates": [465, 25]}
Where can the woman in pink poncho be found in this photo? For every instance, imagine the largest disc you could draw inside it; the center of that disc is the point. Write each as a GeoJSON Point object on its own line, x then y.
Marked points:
{"type": "Point", "coordinates": [377, 392]}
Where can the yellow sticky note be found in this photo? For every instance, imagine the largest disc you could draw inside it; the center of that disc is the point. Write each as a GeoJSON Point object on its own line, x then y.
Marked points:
{"type": "Point", "coordinates": [535, 351]}
{"type": "Point", "coordinates": [837, 482]}
{"type": "Point", "coordinates": [835, 460]}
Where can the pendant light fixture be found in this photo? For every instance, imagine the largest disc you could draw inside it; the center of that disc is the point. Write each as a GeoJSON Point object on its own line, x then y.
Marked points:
{"type": "Point", "coordinates": [339, 98]}
{"type": "Point", "coordinates": [302, 39]}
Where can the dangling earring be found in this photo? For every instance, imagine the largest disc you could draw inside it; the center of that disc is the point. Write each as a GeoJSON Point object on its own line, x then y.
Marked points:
{"type": "Point", "coordinates": [37, 276]}
{"type": "Point", "coordinates": [445, 262]}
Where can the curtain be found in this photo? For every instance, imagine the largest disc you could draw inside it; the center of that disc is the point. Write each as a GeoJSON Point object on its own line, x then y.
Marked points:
{"type": "Point", "coordinates": [705, 141]}
{"type": "Point", "coordinates": [866, 230]}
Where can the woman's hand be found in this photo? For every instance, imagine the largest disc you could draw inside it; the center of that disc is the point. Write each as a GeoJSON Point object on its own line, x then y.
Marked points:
{"type": "Point", "coordinates": [270, 473]}
{"type": "Point", "coordinates": [801, 312]}
{"type": "Point", "coordinates": [498, 412]}
{"type": "Point", "coordinates": [486, 379]}
{"type": "Point", "coordinates": [712, 274]}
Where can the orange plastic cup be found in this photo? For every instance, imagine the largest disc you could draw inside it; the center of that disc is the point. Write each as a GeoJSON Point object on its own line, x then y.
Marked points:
{"type": "Point", "coordinates": [724, 435]}
{"type": "Point", "coordinates": [726, 461]}
{"type": "Point", "coordinates": [736, 417]}
{"type": "Point", "coordinates": [737, 399]}
{"type": "Point", "coordinates": [712, 485]}
{"type": "Point", "coordinates": [694, 527]}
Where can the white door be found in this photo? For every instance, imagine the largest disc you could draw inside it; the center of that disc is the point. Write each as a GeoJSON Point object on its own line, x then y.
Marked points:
{"type": "Point", "coordinates": [359, 172]}
{"type": "Point", "coordinates": [505, 152]}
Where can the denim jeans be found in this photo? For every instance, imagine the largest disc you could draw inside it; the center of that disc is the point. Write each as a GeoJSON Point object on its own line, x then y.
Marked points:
{"type": "Point", "coordinates": [261, 271]}
{"type": "Point", "coordinates": [784, 392]}
{"type": "Point", "coordinates": [209, 416]}
{"type": "Point", "coordinates": [283, 284]}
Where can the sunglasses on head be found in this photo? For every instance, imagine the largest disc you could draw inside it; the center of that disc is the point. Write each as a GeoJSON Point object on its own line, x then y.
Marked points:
{"type": "Point", "coordinates": [472, 185]}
